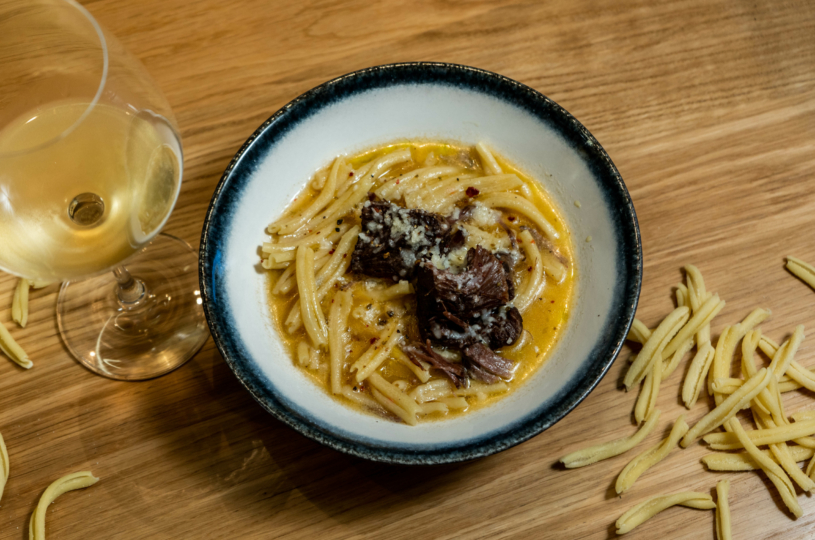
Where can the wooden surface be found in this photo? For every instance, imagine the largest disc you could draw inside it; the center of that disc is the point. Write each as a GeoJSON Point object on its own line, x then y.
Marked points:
{"type": "Point", "coordinates": [708, 111]}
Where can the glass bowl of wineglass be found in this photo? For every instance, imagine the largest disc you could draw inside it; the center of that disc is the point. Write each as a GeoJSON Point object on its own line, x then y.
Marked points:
{"type": "Point", "coordinates": [90, 169]}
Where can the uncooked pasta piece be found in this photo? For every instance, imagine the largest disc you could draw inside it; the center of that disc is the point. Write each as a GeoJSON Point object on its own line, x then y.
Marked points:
{"type": "Point", "coordinates": [70, 482]}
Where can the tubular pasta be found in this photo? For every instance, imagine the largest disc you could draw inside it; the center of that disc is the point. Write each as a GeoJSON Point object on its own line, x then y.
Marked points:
{"type": "Point", "coordinates": [310, 309]}
{"type": "Point", "coordinates": [723, 510]}
{"type": "Point", "coordinates": [729, 407]}
{"type": "Point", "coordinates": [70, 482]}
{"type": "Point", "coordinates": [647, 399]}
{"type": "Point", "coordinates": [395, 396]}
{"type": "Point", "coordinates": [774, 472]}
{"type": "Point", "coordinates": [337, 321]}
{"type": "Point", "coordinates": [805, 272]}
{"type": "Point", "coordinates": [697, 373]}
{"type": "Point", "coordinates": [382, 351]}
{"type": "Point", "coordinates": [650, 457]}
{"type": "Point", "coordinates": [395, 188]}
{"type": "Point", "coordinates": [421, 373]}
{"type": "Point", "coordinates": [653, 347]}
{"type": "Point", "coordinates": [531, 288]}
{"type": "Point", "coordinates": [432, 390]}
{"type": "Point", "coordinates": [479, 388]}
{"type": "Point", "coordinates": [449, 192]}
{"type": "Point", "coordinates": [487, 159]}
{"type": "Point", "coordinates": [522, 206]}
{"type": "Point", "coordinates": [599, 452]}
{"type": "Point", "coordinates": [11, 349]}
{"type": "Point", "coordinates": [762, 437]}
{"type": "Point", "coordinates": [742, 461]}
{"type": "Point", "coordinates": [19, 304]}
{"type": "Point", "coordinates": [653, 506]}
{"type": "Point", "coordinates": [4, 467]}
{"type": "Point", "coordinates": [293, 223]}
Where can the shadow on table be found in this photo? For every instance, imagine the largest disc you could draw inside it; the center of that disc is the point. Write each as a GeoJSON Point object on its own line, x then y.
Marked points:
{"type": "Point", "coordinates": [203, 447]}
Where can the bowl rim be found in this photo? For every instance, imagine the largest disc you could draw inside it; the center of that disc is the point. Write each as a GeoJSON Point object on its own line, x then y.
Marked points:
{"type": "Point", "coordinates": [603, 169]}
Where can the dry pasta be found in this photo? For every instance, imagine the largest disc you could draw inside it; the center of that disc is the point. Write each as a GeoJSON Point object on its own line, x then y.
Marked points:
{"type": "Point", "coordinates": [773, 471]}
{"type": "Point", "coordinates": [652, 349]}
{"type": "Point", "coordinates": [593, 454]}
{"type": "Point", "coordinates": [19, 304]}
{"type": "Point", "coordinates": [11, 349]}
{"type": "Point", "coordinates": [804, 271]}
{"type": "Point", "coordinates": [4, 466]}
{"type": "Point", "coordinates": [650, 457]}
{"type": "Point", "coordinates": [742, 461]}
{"type": "Point", "coordinates": [70, 482]}
{"type": "Point", "coordinates": [644, 511]}
{"type": "Point", "coordinates": [729, 406]}
{"type": "Point", "coordinates": [723, 527]}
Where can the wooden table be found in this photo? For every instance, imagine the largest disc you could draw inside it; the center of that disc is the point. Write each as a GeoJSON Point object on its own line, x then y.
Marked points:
{"type": "Point", "coordinates": [708, 110]}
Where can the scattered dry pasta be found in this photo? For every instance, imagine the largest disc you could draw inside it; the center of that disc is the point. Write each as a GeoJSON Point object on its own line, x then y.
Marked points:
{"type": "Point", "coordinates": [70, 482]}
{"type": "Point", "coordinates": [650, 457]}
{"type": "Point", "coordinates": [648, 509]}
{"type": "Point", "coordinates": [11, 349]}
{"type": "Point", "coordinates": [4, 466]}
{"type": "Point", "coordinates": [723, 531]}
{"type": "Point", "coordinates": [593, 454]}
{"type": "Point", "coordinates": [19, 304]}
{"type": "Point", "coordinates": [802, 270]}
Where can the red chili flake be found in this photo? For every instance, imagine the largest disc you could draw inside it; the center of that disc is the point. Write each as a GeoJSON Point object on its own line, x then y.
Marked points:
{"type": "Point", "coordinates": [344, 255]}
{"type": "Point", "coordinates": [397, 181]}
{"type": "Point", "coordinates": [374, 340]}
{"type": "Point", "coordinates": [331, 252]}
{"type": "Point", "coordinates": [472, 192]}
{"type": "Point", "coordinates": [529, 269]}
{"type": "Point", "coordinates": [511, 218]}
{"type": "Point", "coordinates": [350, 174]}
{"type": "Point", "coordinates": [332, 300]}
{"type": "Point", "coordinates": [553, 301]}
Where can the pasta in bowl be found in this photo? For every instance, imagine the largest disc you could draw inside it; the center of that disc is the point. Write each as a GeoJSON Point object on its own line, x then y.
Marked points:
{"type": "Point", "coordinates": [457, 274]}
{"type": "Point", "coordinates": [397, 274]}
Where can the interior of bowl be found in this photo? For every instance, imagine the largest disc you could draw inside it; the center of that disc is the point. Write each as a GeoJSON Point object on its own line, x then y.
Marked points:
{"type": "Point", "coordinates": [427, 102]}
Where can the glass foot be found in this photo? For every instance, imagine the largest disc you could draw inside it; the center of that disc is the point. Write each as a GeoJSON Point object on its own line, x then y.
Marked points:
{"type": "Point", "coordinates": [142, 339]}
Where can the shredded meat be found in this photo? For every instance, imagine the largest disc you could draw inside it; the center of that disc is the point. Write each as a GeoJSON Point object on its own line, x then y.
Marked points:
{"type": "Point", "coordinates": [394, 239]}
{"type": "Point", "coordinates": [422, 351]}
{"type": "Point", "coordinates": [503, 328]}
{"type": "Point", "coordinates": [482, 357]}
{"type": "Point", "coordinates": [481, 285]}
{"type": "Point", "coordinates": [465, 308]}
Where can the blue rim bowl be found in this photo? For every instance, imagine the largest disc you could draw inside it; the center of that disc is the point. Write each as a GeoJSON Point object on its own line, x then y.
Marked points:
{"type": "Point", "coordinates": [617, 243]}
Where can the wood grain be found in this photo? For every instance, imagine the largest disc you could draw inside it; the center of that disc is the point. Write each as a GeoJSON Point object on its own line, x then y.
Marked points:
{"type": "Point", "coordinates": [707, 109]}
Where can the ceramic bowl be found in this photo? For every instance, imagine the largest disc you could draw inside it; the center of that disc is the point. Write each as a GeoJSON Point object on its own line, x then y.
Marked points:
{"type": "Point", "coordinates": [421, 101]}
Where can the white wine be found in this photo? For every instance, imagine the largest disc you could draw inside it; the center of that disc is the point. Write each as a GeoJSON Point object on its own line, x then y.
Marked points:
{"type": "Point", "coordinates": [77, 203]}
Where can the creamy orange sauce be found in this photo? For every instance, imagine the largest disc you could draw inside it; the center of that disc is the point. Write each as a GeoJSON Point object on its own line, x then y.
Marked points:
{"type": "Point", "coordinates": [544, 319]}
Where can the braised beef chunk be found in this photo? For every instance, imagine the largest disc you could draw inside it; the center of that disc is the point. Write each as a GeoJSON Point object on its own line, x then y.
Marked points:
{"type": "Point", "coordinates": [481, 285]}
{"type": "Point", "coordinates": [479, 356]}
{"type": "Point", "coordinates": [466, 310]}
{"type": "Point", "coordinates": [469, 307]}
{"type": "Point", "coordinates": [502, 327]}
{"type": "Point", "coordinates": [393, 239]}
{"type": "Point", "coordinates": [444, 327]}
{"type": "Point", "coordinates": [423, 351]}
{"type": "Point", "coordinates": [508, 262]}
{"type": "Point", "coordinates": [475, 372]}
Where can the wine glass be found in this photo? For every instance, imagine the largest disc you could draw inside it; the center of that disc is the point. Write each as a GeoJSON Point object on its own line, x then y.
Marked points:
{"type": "Point", "coordinates": [90, 170]}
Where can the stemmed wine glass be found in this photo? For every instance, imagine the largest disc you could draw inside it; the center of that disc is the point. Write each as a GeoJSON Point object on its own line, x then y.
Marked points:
{"type": "Point", "coordinates": [90, 169]}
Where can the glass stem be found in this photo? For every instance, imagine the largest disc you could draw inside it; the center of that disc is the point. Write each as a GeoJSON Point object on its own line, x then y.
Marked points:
{"type": "Point", "coordinates": [131, 291]}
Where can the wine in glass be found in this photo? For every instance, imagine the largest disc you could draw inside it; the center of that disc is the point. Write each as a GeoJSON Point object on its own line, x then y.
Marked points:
{"type": "Point", "coordinates": [90, 170]}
